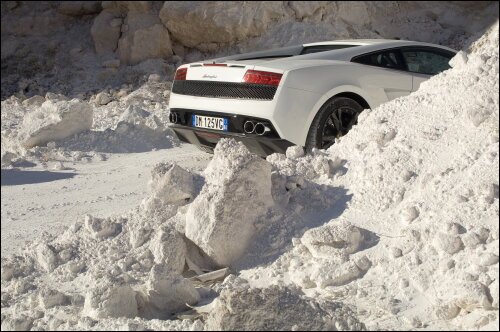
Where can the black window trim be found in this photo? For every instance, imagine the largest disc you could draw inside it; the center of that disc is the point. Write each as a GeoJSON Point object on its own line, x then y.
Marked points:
{"type": "Point", "coordinates": [399, 52]}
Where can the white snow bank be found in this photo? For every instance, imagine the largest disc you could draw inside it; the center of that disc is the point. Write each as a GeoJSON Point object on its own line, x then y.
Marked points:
{"type": "Point", "coordinates": [55, 120]}
{"type": "Point", "coordinates": [134, 121]}
{"type": "Point", "coordinates": [127, 266]}
{"type": "Point", "coordinates": [221, 220]}
{"type": "Point", "coordinates": [422, 174]}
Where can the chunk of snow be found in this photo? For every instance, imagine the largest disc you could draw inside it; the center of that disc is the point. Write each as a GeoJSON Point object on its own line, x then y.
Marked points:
{"type": "Point", "coordinates": [236, 193]}
{"type": "Point", "coordinates": [55, 120]}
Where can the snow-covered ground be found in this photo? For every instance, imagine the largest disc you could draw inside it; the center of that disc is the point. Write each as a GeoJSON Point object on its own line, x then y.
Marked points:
{"type": "Point", "coordinates": [53, 199]}
{"type": "Point", "coordinates": [394, 227]}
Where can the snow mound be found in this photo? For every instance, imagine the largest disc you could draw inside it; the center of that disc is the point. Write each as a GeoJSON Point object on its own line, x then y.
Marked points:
{"type": "Point", "coordinates": [55, 120]}
{"type": "Point", "coordinates": [131, 122]}
{"type": "Point", "coordinates": [126, 266]}
{"type": "Point", "coordinates": [237, 192]}
{"type": "Point", "coordinates": [132, 270]}
{"type": "Point", "coordinates": [422, 174]}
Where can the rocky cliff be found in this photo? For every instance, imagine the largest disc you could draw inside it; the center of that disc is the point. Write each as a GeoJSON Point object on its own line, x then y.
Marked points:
{"type": "Point", "coordinates": [80, 47]}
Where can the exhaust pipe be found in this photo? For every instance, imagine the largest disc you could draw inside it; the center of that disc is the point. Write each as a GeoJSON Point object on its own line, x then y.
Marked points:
{"type": "Point", "coordinates": [249, 127]}
{"type": "Point", "coordinates": [261, 129]}
{"type": "Point", "coordinates": [173, 118]}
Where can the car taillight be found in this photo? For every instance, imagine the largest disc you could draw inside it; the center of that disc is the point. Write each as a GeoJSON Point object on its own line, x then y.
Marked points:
{"type": "Point", "coordinates": [180, 74]}
{"type": "Point", "coordinates": [262, 77]}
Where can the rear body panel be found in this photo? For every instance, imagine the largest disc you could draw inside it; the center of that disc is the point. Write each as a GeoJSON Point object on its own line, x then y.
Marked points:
{"type": "Point", "coordinates": [308, 82]}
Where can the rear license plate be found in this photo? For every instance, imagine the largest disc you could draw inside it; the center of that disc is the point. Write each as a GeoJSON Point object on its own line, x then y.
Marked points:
{"type": "Point", "coordinates": [209, 122]}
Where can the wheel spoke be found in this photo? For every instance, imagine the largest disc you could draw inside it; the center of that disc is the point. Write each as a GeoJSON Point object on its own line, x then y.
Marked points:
{"type": "Point", "coordinates": [336, 121]}
{"type": "Point", "coordinates": [330, 123]}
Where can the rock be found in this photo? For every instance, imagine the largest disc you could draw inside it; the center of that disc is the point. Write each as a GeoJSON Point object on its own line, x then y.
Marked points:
{"type": "Point", "coordinates": [448, 243]}
{"type": "Point", "coordinates": [20, 323]}
{"type": "Point", "coordinates": [295, 152]}
{"type": "Point", "coordinates": [488, 259]}
{"type": "Point", "coordinates": [179, 52]}
{"type": "Point", "coordinates": [206, 24]}
{"type": "Point", "coordinates": [144, 39]}
{"type": "Point", "coordinates": [169, 249]}
{"type": "Point", "coordinates": [363, 263]}
{"type": "Point", "coordinates": [7, 158]}
{"type": "Point", "coordinates": [409, 214]}
{"type": "Point", "coordinates": [171, 184]}
{"type": "Point", "coordinates": [334, 240]}
{"type": "Point", "coordinates": [59, 166]}
{"type": "Point", "coordinates": [49, 298]}
{"type": "Point", "coordinates": [55, 97]}
{"type": "Point", "coordinates": [55, 120]}
{"type": "Point", "coordinates": [136, 6]}
{"type": "Point", "coordinates": [115, 63]}
{"type": "Point", "coordinates": [459, 60]}
{"type": "Point", "coordinates": [104, 35]}
{"type": "Point", "coordinates": [116, 23]}
{"type": "Point", "coordinates": [7, 271]}
{"type": "Point", "coordinates": [35, 101]}
{"type": "Point", "coordinates": [254, 309]}
{"type": "Point", "coordinates": [139, 236]}
{"type": "Point", "coordinates": [79, 8]}
{"type": "Point", "coordinates": [102, 98]}
{"type": "Point", "coordinates": [447, 311]}
{"type": "Point", "coordinates": [478, 115]}
{"type": "Point", "coordinates": [471, 295]}
{"type": "Point", "coordinates": [154, 78]}
{"type": "Point", "coordinates": [493, 288]}
{"type": "Point", "coordinates": [166, 293]}
{"type": "Point", "coordinates": [134, 115]}
{"type": "Point", "coordinates": [471, 240]}
{"type": "Point", "coordinates": [101, 228]}
{"type": "Point", "coordinates": [46, 257]}
{"type": "Point", "coordinates": [453, 228]}
{"type": "Point", "coordinates": [237, 192]}
{"type": "Point", "coordinates": [484, 234]}
{"type": "Point", "coordinates": [396, 252]}
{"type": "Point", "coordinates": [110, 301]}
{"type": "Point", "coordinates": [331, 274]}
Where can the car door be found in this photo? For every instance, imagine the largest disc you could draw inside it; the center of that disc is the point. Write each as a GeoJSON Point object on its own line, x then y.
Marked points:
{"type": "Point", "coordinates": [425, 62]}
{"type": "Point", "coordinates": [389, 72]}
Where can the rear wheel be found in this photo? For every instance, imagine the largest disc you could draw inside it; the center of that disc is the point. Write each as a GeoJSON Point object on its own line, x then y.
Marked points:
{"type": "Point", "coordinates": [333, 120]}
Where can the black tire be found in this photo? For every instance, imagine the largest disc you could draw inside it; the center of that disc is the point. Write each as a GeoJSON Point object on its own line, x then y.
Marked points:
{"type": "Point", "coordinates": [334, 119]}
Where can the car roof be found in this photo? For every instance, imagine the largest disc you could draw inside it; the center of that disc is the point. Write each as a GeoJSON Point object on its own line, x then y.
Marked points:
{"type": "Point", "coordinates": [382, 43]}
{"type": "Point", "coordinates": [362, 46]}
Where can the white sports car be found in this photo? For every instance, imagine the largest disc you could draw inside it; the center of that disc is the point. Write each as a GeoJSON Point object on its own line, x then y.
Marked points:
{"type": "Point", "coordinates": [302, 95]}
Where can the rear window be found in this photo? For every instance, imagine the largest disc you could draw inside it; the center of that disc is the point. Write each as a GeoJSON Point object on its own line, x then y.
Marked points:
{"type": "Point", "coordinates": [323, 48]}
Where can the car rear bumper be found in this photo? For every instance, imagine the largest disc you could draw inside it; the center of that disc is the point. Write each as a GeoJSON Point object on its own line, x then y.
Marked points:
{"type": "Point", "coordinates": [260, 145]}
